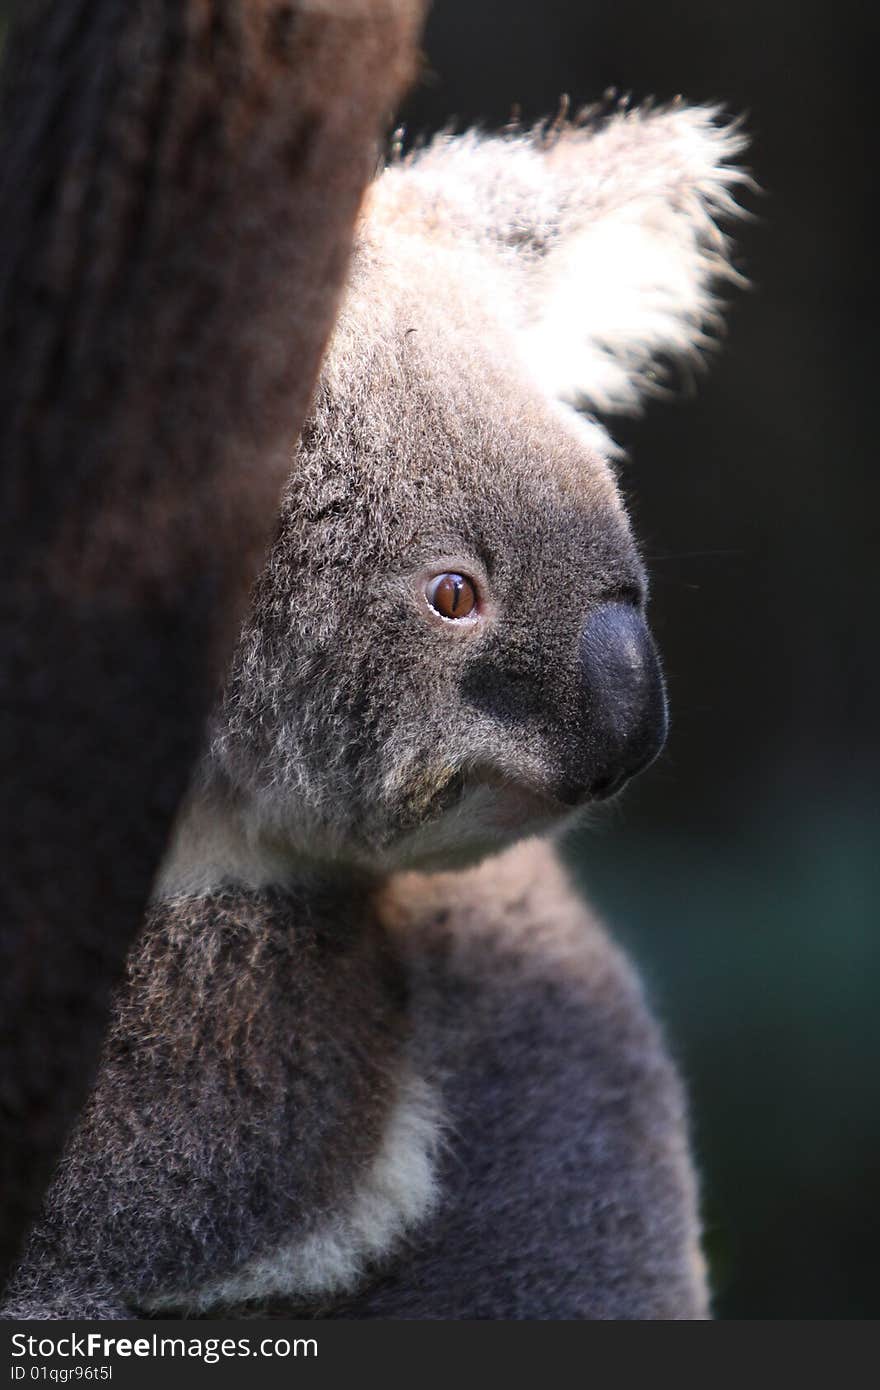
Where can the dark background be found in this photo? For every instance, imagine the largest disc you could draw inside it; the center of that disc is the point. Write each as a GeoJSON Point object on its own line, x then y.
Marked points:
{"type": "Point", "coordinates": [742, 870]}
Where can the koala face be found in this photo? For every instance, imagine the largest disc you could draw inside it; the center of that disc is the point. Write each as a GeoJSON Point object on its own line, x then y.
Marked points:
{"type": "Point", "coordinates": [447, 648]}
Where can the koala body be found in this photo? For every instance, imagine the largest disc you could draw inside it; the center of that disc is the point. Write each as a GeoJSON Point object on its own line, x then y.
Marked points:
{"type": "Point", "coordinates": [374, 1057]}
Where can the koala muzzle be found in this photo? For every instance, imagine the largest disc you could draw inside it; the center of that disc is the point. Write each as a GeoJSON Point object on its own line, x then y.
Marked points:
{"type": "Point", "coordinates": [626, 696]}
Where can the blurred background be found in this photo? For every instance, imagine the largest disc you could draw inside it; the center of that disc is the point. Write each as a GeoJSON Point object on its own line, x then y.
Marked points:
{"type": "Point", "coordinates": [743, 870]}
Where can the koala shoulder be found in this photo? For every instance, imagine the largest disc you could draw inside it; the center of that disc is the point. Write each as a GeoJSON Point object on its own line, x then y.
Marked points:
{"type": "Point", "coordinates": [567, 1186]}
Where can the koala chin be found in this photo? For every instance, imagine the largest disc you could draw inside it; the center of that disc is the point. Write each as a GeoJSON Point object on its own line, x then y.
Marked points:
{"type": "Point", "coordinates": [374, 1056]}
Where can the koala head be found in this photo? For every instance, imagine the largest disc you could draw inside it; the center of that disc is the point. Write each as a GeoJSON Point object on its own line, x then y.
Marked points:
{"type": "Point", "coordinates": [448, 646]}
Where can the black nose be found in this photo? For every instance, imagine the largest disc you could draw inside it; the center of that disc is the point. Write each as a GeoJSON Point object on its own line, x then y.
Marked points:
{"type": "Point", "coordinates": [625, 693]}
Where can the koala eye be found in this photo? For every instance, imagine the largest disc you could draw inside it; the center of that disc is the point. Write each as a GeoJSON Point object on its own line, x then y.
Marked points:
{"type": "Point", "coordinates": [451, 595]}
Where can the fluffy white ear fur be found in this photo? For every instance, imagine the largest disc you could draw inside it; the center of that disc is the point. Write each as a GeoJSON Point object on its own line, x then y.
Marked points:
{"type": "Point", "coordinates": [611, 228]}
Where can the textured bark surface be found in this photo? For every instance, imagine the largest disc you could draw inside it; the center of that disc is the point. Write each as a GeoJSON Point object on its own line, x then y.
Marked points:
{"type": "Point", "coordinates": [179, 181]}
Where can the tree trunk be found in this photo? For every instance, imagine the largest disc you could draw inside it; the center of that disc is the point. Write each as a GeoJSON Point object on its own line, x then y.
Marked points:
{"type": "Point", "coordinates": [179, 183]}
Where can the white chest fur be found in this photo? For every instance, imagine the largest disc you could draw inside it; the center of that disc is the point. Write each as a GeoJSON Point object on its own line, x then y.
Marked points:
{"type": "Point", "coordinates": [399, 1191]}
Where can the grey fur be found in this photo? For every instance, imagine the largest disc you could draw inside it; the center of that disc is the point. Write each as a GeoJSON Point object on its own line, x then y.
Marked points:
{"type": "Point", "coordinates": [320, 943]}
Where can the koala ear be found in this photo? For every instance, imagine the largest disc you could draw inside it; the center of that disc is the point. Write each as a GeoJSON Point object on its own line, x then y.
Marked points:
{"type": "Point", "coordinates": [611, 228]}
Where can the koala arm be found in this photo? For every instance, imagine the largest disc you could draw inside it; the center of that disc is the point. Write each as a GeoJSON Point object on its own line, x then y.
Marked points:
{"type": "Point", "coordinates": [459, 1107]}
{"type": "Point", "coordinates": [566, 1187]}
{"type": "Point", "coordinates": [243, 1092]}
{"type": "Point", "coordinates": [64, 1304]}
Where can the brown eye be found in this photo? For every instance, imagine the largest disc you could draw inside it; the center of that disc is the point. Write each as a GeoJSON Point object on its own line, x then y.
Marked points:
{"type": "Point", "coordinates": [452, 595]}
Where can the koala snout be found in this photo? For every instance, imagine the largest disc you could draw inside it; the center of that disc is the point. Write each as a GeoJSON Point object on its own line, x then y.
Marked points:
{"type": "Point", "coordinates": [626, 697]}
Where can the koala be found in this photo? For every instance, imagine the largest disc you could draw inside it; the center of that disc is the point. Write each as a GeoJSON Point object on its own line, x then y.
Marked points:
{"type": "Point", "coordinates": [374, 1056]}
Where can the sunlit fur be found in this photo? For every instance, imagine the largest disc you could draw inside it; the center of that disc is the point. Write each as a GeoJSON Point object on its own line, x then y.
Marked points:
{"type": "Point", "coordinates": [440, 429]}
{"type": "Point", "coordinates": [340, 1082]}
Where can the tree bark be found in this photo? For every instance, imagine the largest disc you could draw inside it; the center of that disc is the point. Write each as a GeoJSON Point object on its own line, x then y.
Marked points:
{"type": "Point", "coordinates": [179, 183]}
